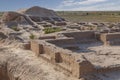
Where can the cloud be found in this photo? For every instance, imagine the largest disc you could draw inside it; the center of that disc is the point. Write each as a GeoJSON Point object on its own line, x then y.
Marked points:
{"type": "Point", "coordinates": [89, 5]}
{"type": "Point", "coordinates": [80, 2]}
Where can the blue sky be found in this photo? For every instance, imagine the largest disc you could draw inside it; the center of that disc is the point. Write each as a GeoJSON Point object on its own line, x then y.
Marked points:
{"type": "Point", "coordinates": [69, 5]}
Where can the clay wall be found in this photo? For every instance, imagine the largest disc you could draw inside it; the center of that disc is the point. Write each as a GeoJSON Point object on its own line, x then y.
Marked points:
{"type": "Point", "coordinates": [26, 46]}
{"type": "Point", "coordinates": [60, 23]}
{"type": "Point", "coordinates": [103, 37]}
{"type": "Point", "coordinates": [110, 38]}
{"type": "Point", "coordinates": [63, 59]}
{"type": "Point", "coordinates": [62, 42]}
{"type": "Point", "coordinates": [82, 37]}
{"type": "Point", "coordinates": [37, 48]}
{"type": "Point", "coordinates": [108, 69]}
{"type": "Point", "coordinates": [83, 67]}
{"type": "Point", "coordinates": [47, 37]}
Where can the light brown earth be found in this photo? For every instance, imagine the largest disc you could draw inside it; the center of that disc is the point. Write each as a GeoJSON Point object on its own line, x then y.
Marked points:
{"type": "Point", "coordinates": [24, 65]}
{"type": "Point", "coordinates": [100, 55]}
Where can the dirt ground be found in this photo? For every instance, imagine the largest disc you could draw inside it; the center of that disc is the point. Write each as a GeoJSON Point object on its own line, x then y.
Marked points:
{"type": "Point", "coordinates": [99, 55]}
{"type": "Point", "coordinates": [24, 65]}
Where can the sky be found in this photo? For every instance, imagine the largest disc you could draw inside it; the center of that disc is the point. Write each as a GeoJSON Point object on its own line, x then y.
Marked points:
{"type": "Point", "coordinates": [62, 5]}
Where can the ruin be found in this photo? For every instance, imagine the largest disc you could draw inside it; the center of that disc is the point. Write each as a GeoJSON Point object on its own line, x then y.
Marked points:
{"type": "Point", "coordinates": [33, 16]}
{"type": "Point", "coordinates": [79, 50]}
{"type": "Point", "coordinates": [111, 39]}
{"type": "Point", "coordinates": [75, 53]}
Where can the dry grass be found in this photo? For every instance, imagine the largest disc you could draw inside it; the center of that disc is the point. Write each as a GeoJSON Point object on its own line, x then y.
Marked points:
{"type": "Point", "coordinates": [79, 16]}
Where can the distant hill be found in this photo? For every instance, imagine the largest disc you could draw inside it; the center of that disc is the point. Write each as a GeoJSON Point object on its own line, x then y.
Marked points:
{"type": "Point", "coordinates": [90, 16]}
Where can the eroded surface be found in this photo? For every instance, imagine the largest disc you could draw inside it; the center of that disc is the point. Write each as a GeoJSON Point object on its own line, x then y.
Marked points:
{"type": "Point", "coordinates": [23, 65]}
{"type": "Point", "coordinates": [100, 55]}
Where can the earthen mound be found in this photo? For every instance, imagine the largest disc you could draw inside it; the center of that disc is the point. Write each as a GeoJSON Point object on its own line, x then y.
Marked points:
{"type": "Point", "coordinates": [10, 16]}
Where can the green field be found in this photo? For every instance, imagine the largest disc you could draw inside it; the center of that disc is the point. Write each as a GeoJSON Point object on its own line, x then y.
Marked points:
{"type": "Point", "coordinates": [93, 16]}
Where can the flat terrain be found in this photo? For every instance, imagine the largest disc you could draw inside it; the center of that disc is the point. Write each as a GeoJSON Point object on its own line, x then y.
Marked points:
{"type": "Point", "coordinates": [101, 56]}
{"type": "Point", "coordinates": [90, 16]}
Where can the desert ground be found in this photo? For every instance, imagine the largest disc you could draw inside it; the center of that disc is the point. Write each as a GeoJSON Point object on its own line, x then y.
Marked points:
{"type": "Point", "coordinates": [90, 16]}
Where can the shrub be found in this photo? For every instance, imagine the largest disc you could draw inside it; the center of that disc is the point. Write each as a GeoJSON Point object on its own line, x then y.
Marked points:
{"type": "Point", "coordinates": [32, 36]}
{"type": "Point", "coordinates": [51, 30]}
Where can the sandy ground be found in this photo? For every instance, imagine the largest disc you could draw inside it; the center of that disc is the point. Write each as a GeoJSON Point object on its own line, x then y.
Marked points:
{"type": "Point", "coordinates": [100, 55]}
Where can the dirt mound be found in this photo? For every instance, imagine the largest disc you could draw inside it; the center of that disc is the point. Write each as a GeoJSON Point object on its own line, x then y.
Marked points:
{"type": "Point", "coordinates": [10, 16]}
{"type": "Point", "coordinates": [39, 11]}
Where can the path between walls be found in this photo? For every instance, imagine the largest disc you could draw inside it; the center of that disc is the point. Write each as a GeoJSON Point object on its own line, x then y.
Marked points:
{"type": "Point", "coordinates": [24, 65]}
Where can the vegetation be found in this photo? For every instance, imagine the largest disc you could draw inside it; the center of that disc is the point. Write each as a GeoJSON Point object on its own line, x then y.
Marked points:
{"type": "Point", "coordinates": [51, 30]}
{"type": "Point", "coordinates": [90, 16]}
{"type": "Point", "coordinates": [32, 36]}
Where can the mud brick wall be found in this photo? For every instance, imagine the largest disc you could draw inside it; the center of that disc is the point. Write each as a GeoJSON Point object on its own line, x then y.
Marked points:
{"type": "Point", "coordinates": [37, 48]}
{"type": "Point", "coordinates": [108, 69]}
{"type": "Point", "coordinates": [61, 42]}
{"type": "Point", "coordinates": [115, 30]}
{"type": "Point", "coordinates": [110, 38]}
{"type": "Point", "coordinates": [47, 37]}
{"type": "Point", "coordinates": [60, 23]}
{"type": "Point", "coordinates": [103, 38]}
{"type": "Point", "coordinates": [26, 46]}
{"type": "Point", "coordinates": [82, 68]}
{"type": "Point", "coordinates": [81, 35]}
{"type": "Point", "coordinates": [113, 36]}
{"type": "Point", "coordinates": [48, 52]}
{"type": "Point", "coordinates": [63, 59]}
{"type": "Point", "coordinates": [66, 61]}
{"type": "Point", "coordinates": [66, 57]}
{"type": "Point", "coordinates": [97, 35]}
{"type": "Point", "coordinates": [52, 53]}
{"type": "Point", "coordinates": [86, 36]}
